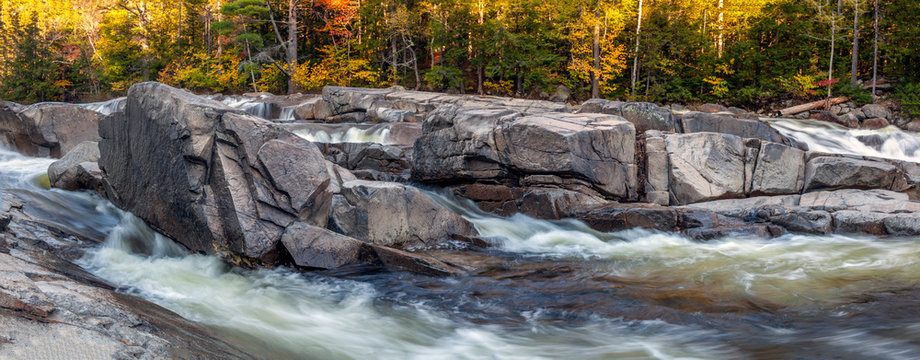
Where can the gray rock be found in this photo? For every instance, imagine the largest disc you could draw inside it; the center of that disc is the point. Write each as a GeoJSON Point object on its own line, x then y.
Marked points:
{"type": "Point", "coordinates": [705, 166]}
{"type": "Point", "coordinates": [831, 172]}
{"type": "Point", "coordinates": [876, 111]}
{"type": "Point", "coordinates": [48, 129]}
{"type": "Point", "coordinates": [210, 177]}
{"type": "Point", "coordinates": [780, 170]}
{"type": "Point", "coordinates": [315, 247]}
{"type": "Point", "coordinates": [78, 169]}
{"type": "Point", "coordinates": [739, 207]}
{"type": "Point", "coordinates": [482, 144]}
{"type": "Point", "coordinates": [554, 204]}
{"type": "Point", "coordinates": [394, 215]}
{"type": "Point", "coordinates": [562, 94]}
{"type": "Point", "coordinates": [881, 201]}
{"type": "Point", "coordinates": [344, 100]}
{"type": "Point", "coordinates": [695, 122]}
{"type": "Point", "coordinates": [644, 116]}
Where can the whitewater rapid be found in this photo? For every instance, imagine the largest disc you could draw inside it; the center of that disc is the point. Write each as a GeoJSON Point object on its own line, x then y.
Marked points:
{"type": "Point", "coordinates": [630, 294]}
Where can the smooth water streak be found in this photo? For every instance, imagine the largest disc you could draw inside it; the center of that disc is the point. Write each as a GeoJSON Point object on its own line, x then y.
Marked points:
{"type": "Point", "coordinates": [822, 136]}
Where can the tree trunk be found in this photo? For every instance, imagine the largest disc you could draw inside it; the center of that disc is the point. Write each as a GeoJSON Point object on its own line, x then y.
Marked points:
{"type": "Point", "coordinates": [875, 53]}
{"type": "Point", "coordinates": [721, 42]}
{"type": "Point", "coordinates": [292, 44]}
{"type": "Point", "coordinates": [596, 49]}
{"type": "Point", "coordinates": [813, 105]}
{"type": "Point", "coordinates": [854, 62]}
{"type": "Point", "coordinates": [635, 72]}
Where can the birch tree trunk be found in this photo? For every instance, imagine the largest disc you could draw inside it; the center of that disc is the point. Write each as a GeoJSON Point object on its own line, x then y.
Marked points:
{"type": "Point", "coordinates": [635, 71]}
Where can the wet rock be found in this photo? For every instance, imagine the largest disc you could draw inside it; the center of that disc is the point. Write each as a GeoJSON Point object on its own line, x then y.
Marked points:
{"type": "Point", "coordinates": [695, 122]}
{"type": "Point", "coordinates": [554, 204]}
{"type": "Point", "coordinates": [913, 126]}
{"type": "Point", "coordinates": [315, 247]}
{"type": "Point", "coordinates": [477, 144]}
{"type": "Point", "coordinates": [78, 170]}
{"type": "Point", "coordinates": [809, 222]}
{"type": "Point", "coordinates": [705, 166]}
{"type": "Point", "coordinates": [832, 172]}
{"type": "Point", "coordinates": [779, 170]}
{"type": "Point", "coordinates": [735, 231]}
{"type": "Point", "coordinates": [48, 129]}
{"type": "Point", "coordinates": [210, 177]}
{"type": "Point", "coordinates": [403, 134]}
{"type": "Point", "coordinates": [875, 123]}
{"type": "Point", "coordinates": [5, 220]}
{"type": "Point", "coordinates": [617, 217]}
{"type": "Point", "coordinates": [378, 158]}
{"type": "Point", "coordinates": [394, 215]}
{"type": "Point", "coordinates": [45, 299]}
{"type": "Point", "coordinates": [872, 111]}
{"type": "Point", "coordinates": [644, 116]}
{"type": "Point", "coordinates": [860, 222]}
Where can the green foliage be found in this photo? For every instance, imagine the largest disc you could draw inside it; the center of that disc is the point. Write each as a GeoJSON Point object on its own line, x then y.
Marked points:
{"type": "Point", "coordinates": [441, 77]}
{"type": "Point", "coordinates": [36, 77]}
{"type": "Point", "coordinates": [857, 94]}
{"type": "Point", "coordinates": [909, 96]}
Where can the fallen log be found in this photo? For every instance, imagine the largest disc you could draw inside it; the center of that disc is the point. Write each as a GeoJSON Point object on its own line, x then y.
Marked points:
{"type": "Point", "coordinates": [812, 105]}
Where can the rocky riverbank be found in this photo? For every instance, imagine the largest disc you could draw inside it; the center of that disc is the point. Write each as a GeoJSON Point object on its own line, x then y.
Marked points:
{"type": "Point", "coordinates": [223, 180]}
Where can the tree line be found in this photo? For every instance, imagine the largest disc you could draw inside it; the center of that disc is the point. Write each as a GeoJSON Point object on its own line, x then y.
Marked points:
{"type": "Point", "coordinates": [737, 52]}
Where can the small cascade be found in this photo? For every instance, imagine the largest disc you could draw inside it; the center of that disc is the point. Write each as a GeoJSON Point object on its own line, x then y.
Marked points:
{"type": "Point", "coordinates": [107, 107]}
{"type": "Point", "coordinates": [378, 135]}
{"type": "Point", "coordinates": [888, 143]}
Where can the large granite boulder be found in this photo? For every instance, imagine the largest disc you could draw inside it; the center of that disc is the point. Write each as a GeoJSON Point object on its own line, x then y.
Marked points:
{"type": "Point", "coordinates": [78, 169]}
{"type": "Point", "coordinates": [695, 122]}
{"type": "Point", "coordinates": [394, 215]}
{"type": "Point", "coordinates": [48, 129]}
{"type": "Point", "coordinates": [214, 179]}
{"type": "Point", "coordinates": [837, 172]}
{"type": "Point", "coordinates": [706, 166]}
{"type": "Point", "coordinates": [644, 116]}
{"type": "Point", "coordinates": [594, 153]}
{"type": "Point", "coordinates": [780, 170]}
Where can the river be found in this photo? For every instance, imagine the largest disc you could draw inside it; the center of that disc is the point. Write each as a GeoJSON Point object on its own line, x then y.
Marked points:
{"type": "Point", "coordinates": [543, 290]}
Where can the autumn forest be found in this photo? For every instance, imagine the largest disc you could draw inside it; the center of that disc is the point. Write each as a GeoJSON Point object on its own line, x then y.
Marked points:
{"type": "Point", "coordinates": [736, 52]}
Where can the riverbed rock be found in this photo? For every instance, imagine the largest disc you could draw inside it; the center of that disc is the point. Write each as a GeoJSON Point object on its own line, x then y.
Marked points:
{"type": "Point", "coordinates": [371, 161]}
{"type": "Point", "coordinates": [695, 122]}
{"type": "Point", "coordinates": [214, 179]}
{"type": "Point", "coordinates": [875, 124]}
{"type": "Point", "coordinates": [872, 111]}
{"type": "Point", "coordinates": [51, 308]}
{"type": "Point", "coordinates": [705, 166]}
{"type": "Point", "coordinates": [644, 116]}
{"type": "Point", "coordinates": [470, 145]}
{"type": "Point", "coordinates": [394, 215]}
{"type": "Point", "coordinates": [837, 172]}
{"type": "Point", "coordinates": [48, 129]}
{"type": "Point", "coordinates": [78, 169]}
{"type": "Point", "coordinates": [780, 170]}
{"type": "Point", "coordinates": [348, 100]}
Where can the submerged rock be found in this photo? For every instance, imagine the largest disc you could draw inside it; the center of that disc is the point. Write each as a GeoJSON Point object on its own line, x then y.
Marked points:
{"type": "Point", "coordinates": [78, 170]}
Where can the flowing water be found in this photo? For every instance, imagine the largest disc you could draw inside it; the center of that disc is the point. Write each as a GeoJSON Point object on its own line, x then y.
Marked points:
{"type": "Point", "coordinates": [347, 133]}
{"type": "Point", "coordinates": [544, 290]}
{"type": "Point", "coordinates": [890, 142]}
